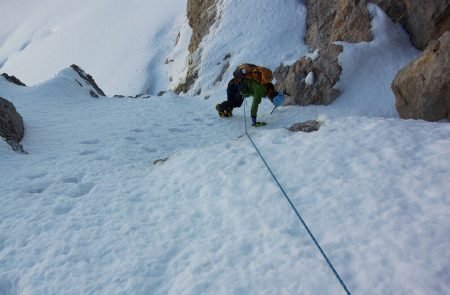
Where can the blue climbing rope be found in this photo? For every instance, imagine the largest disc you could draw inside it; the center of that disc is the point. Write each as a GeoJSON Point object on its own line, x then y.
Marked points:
{"type": "Point", "coordinates": [293, 207]}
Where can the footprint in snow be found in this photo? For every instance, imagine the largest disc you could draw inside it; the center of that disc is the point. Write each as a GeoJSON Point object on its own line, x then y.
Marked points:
{"type": "Point", "coordinates": [87, 152]}
{"type": "Point", "coordinates": [62, 209]}
{"type": "Point", "coordinates": [149, 150]}
{"type": "Point", "coordinates": [72, 179]}
{"type": "Point", "coordinates": [36, 175]}
{"type": "Point", "coordinates": [81, 189]}
{"type": "Point", "coordinates": [131, 138]}
{"type": "Point", "coordinates": [88, 142]}
{"type": "Point", "coordinates": [102, 158]}
{"type": "Point", "coordinates": [175, 130]}
{"type": "Point", "coordinates": [38, 188]}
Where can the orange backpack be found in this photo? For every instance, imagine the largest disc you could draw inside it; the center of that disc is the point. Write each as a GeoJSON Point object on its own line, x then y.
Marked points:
{"type": "Point", "coordinates": [259, 74]}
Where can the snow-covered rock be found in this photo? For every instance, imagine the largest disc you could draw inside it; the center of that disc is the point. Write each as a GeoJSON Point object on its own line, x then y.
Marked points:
{"type": "Point", "coordinates": [13, 79]}
{"type": "Point", "coordinates": [311, 81]}
{"type": "Point", "coordinates": [11, 125]}
{"type": "Point", "coordinates": [94, 91]}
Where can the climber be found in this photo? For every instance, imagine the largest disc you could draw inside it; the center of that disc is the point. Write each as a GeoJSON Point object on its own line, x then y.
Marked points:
{"type": "Point", "coordinates": [249, 80]}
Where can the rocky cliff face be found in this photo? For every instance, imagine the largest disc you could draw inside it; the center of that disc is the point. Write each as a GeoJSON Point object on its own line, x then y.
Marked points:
{"type": "Point", "coordinates": [424, 20]}
{"type": "Point", "coordinates": [202, 14]}
{"type": "Point", "coordinates": [422, 88]}
{"type": "Point", "coordinates": [336, 20]}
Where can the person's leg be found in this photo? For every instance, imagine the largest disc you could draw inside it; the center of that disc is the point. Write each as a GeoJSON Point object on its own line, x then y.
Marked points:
{"type": "Point", "coordinates": [237, 101]}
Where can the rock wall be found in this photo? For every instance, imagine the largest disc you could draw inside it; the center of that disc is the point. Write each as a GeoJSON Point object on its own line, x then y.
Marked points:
{"type": "Point", "coordinates": [202, 14]}
{"type": "Point", "coordinates": [424, 20]}
{"type": "Point", "coordinates": [311, 81]}
{"type": "Point", "coordinates": [336, 20]}
{"type": "Point", "coordinates": [11, 124]}
{"type": "Point", "coordinates": [422, 88]}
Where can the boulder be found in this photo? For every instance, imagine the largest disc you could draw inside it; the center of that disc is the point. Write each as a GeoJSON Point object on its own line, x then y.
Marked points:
{"type": "Point", "coordinates": [424, 20]}
{"type": "Point", "coordinates": [422, 88]}
{"type": "Point", "coordinates": [13, 79]}
{"type": "Point", "coordinates": [307, 126]}
{"type": "Point", "coordinates": [336, 20]}
{"type": "Point", "coordinates": [11, 125]}
{"type": "Point", "coordinates": [96, 91]}
{"type": "Point", "coordinates": [311, 81]}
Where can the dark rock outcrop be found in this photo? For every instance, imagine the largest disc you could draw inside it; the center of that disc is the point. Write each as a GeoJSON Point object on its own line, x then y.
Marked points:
{"type": "Point", "coordinates": [307, 126]}
{"type": "Point", "coordinates": [304, 89]}
{"type": "Point", "coordinates": [424, 20]}
{"type": "Point", "coordinates": [13, 79]}
{"type": "Point", "coordinates": [11, 125]}
{"type": "Point", "coordinates": [422, 88]}
{"type": "Point", "coordinates": [336, 20]}
{"type": "Point", "coordinates": [96, 92]}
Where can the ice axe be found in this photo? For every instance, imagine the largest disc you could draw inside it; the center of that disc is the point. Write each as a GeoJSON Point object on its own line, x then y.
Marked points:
{"type": "Point", "coordinates": [279, 100]}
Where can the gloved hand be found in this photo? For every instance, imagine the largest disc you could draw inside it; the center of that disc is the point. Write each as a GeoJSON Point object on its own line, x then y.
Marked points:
{"type": "Point", "coordinates": [278, 100]}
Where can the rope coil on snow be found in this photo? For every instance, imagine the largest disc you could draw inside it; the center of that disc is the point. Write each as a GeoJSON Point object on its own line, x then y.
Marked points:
{"type": "Point", "coordinates": [295, 209]}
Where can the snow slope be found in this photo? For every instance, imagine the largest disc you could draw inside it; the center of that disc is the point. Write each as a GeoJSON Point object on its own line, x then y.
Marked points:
{"type": "Point", "coordinates": [88, 211]}
{"type": "Point", "coordinates": [267, 39]}
{"type": "Point", "coordinates": [115, 41]}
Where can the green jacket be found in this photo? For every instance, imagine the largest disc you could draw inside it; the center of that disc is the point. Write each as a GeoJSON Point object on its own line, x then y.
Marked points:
{"type": "Point", "coordinates": [258, 91]}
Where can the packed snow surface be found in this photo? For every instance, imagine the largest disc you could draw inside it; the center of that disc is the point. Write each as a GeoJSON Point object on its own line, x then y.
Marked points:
{"type": "Point", "coordinates": [161, 196]}
{"type": "Point", "coordinates": [88, 211]}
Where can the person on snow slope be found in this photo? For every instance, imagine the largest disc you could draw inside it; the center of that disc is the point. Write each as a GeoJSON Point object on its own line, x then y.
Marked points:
{"type": "Point", "coordinates": [249, 80]}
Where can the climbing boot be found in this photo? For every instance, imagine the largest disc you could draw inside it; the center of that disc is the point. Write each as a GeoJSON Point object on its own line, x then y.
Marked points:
{"type": "Point", "coordinates": [222, 112]}
{"type": "Point", "coordinates": [259, 124]}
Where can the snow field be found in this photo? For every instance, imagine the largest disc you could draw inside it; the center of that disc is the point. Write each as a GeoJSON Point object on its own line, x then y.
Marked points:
{"type": "Point", "coordinates": [114, 41]}
{"type": "Point", "coordinates": [87, 211]}
{"type": "Point", "coordinates": [97, 216]}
